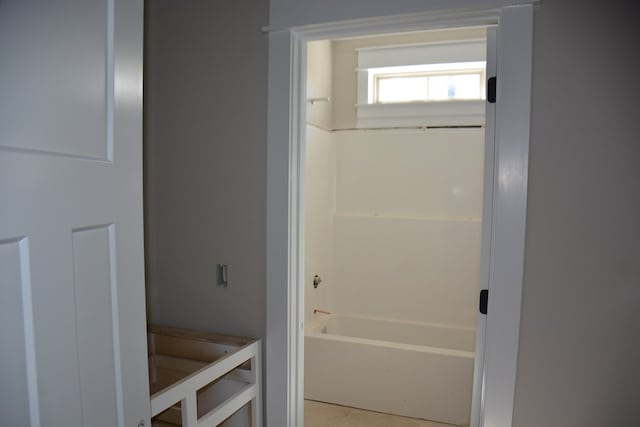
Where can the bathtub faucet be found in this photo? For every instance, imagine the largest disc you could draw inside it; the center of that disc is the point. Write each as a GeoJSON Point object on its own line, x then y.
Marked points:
{"type": "Point", "coordinates": [316, 281]}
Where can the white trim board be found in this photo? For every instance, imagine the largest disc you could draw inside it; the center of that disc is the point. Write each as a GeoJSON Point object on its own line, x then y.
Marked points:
{"type": "Point", "coordinates": [285, 151]}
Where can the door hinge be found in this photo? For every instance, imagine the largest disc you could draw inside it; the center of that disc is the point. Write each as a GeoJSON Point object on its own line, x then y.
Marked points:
{"type": "Point", "coordinates": [491, 89]}
{"type": "Point", "coordinates": [484, 300]}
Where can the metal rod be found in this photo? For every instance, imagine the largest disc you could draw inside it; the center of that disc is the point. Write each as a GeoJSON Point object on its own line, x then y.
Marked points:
{"type": "Point", "coordinates": [314, 100]}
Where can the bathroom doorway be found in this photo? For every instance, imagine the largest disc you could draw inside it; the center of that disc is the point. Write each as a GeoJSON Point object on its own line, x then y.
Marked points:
{"type": "Point", "coordinates": [395, 168]}
{"type": "Point", "coordinates": [494, 382]}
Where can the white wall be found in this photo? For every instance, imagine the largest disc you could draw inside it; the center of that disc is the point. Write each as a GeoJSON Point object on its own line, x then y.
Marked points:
{"type": "Point", "coordinates": [319, 209]}
{"type": "Point", "coordinates": [319, 183]}
{"type": "Point", "coordinates": [393, 223]}
{"type": "Point", "coordinates": [319, 83]}
{"type": "Point", "coordinates": [407, 228]}
{"type": "Point", "coordinates": [432, 173]}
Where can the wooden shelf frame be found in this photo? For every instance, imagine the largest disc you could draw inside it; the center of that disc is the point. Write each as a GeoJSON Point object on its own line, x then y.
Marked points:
{"type": "Point", "coordinates": [200, 359]}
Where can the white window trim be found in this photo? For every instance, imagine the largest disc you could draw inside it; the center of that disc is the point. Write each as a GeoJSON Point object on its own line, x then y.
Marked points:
{"type": "Point", "coordinates": [462, 50]}
{"type": "Point", "coordinates": [433, 113]}
{"type": "Point", "coordinates": [428, 113]}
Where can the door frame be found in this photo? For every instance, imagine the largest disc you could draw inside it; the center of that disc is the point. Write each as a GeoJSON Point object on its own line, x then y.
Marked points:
{"type": "Point", "coordinates": [285, 209]}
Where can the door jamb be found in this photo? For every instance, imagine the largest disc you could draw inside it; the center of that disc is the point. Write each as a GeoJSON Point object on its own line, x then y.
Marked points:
{"type": "Point", "coordinates": [285, 255]}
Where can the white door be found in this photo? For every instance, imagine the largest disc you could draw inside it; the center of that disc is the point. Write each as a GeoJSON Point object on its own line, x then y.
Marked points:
{"type": "Point", "coordinates": [72, 309]}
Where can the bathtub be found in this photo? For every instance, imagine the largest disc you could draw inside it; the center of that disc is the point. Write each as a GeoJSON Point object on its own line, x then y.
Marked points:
{"type": "Point", "coordinates": [404, 368]}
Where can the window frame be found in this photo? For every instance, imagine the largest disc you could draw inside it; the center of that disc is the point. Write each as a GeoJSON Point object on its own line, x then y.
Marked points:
{"type": "Point", "coordinates": [449, 112]}
{"type": "Point", "coordinates": [374, 83]}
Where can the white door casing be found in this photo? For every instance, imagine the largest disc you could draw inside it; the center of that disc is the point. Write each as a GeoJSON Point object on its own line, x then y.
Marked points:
{"type": "Point", "coordinates": [284, 345]}
{"type": "Point", "coordinates": [72, 307]}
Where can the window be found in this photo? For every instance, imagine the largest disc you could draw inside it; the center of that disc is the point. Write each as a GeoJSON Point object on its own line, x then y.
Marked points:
{"type": "Point", "coordinates": [424, 83]}
{"type": "Point", "coordinates": [432, 84]}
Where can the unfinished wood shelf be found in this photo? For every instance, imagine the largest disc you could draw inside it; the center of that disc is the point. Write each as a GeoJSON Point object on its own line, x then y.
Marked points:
{"type": "Point", "coordinates": [199, 379]}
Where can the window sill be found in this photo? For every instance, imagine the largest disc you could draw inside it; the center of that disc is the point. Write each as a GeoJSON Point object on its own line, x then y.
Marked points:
{"type": "Point", "coordinates": [437, 113]}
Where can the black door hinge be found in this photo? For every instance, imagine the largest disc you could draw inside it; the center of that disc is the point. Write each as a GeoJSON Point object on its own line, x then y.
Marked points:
{"type": "Point", "coordinates": [491, 89]}
{"type": "Point", "coordinates": [484, 300]}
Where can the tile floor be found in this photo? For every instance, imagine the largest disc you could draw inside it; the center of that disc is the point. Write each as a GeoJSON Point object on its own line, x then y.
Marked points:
{"type": "Point", "coordinates": [319, 414]}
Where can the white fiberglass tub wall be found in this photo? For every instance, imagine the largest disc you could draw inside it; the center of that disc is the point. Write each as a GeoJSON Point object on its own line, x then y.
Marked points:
{"type": "Point", "coordinates": [320, 176]}
{"type": "Point", "coordinates": [413, 369]}
{"type": "Point", "coordinates": [407, 225]}
{"type": "Point", "coordinates": [404, 264]}
{"type": "Point", "coordinates": [319, 191]}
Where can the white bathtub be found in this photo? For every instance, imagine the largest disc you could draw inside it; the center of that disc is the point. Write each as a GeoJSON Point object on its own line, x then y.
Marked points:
{"type": "Point", "coordinates": [412, 369]}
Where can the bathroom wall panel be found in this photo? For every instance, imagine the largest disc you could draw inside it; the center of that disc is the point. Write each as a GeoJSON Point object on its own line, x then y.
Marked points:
{"type": "Point", "coordinates": [435, 173]}
{"type": "Point", "coordinates": [319, 78]}
{"type": "Point", "coordinates": [408, 224]}
{"type": "Point", "coordinates": [407, 269]}
{"type": "Point", "coordinates": [319, 209]}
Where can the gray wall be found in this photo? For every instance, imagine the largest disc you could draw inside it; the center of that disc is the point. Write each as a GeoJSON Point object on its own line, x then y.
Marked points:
{"type": "Point", "coordinates": [286, 13]}
{"type": "Point", "coordinates": [579, 357]}
{"type": "Point", "coordinates": [579, 362]}
{"type": "Point", "coordinates": [205, 151]}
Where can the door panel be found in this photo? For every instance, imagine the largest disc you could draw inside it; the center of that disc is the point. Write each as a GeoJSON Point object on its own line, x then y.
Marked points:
{"type": "Point", "coordinates": [95, 284]}
{"type": "Point", "coordinates": [14, 401]}
{"type": "Point", "coordinates": [49, 43]}
{"type": "Point", "coordinates": [71, 212]}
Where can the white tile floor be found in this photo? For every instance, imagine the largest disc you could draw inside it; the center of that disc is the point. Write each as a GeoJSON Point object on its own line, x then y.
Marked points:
{"type": "Point", "coordinates": [319, 414]}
